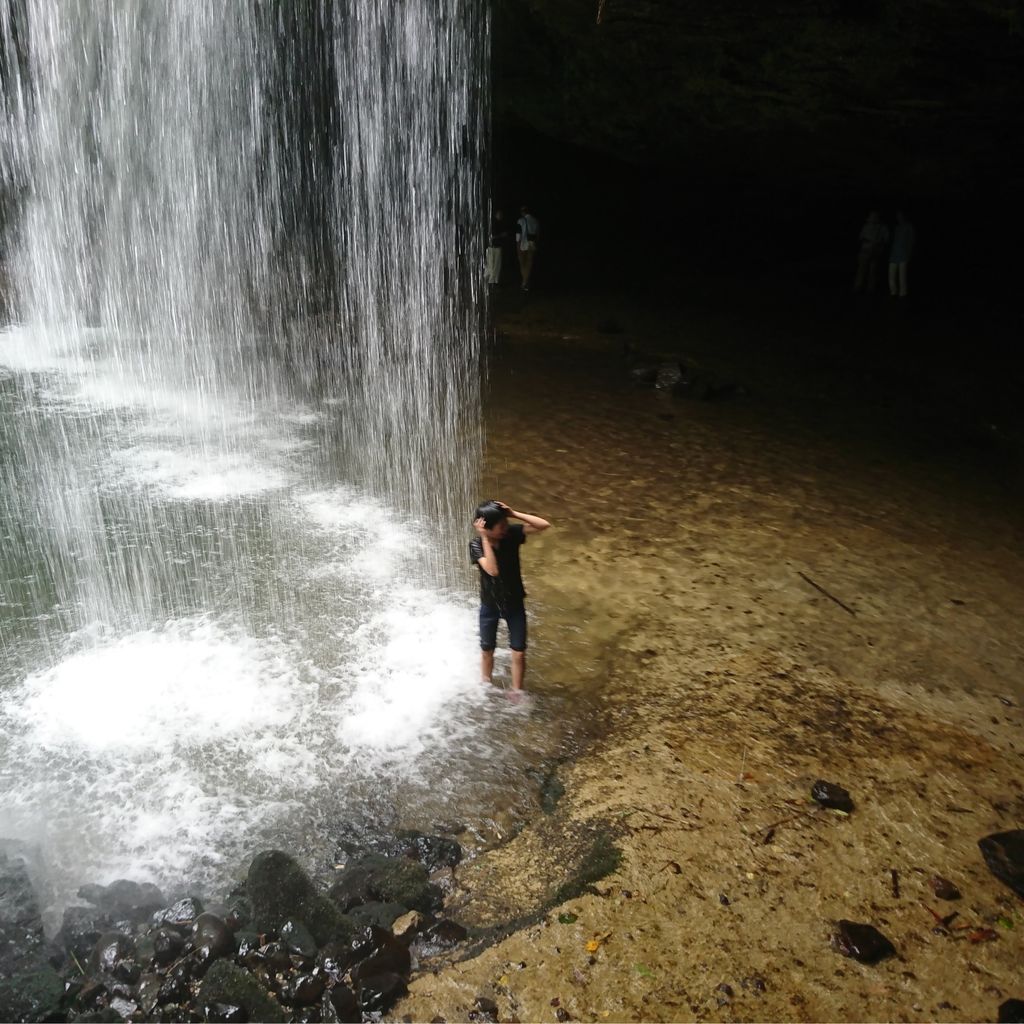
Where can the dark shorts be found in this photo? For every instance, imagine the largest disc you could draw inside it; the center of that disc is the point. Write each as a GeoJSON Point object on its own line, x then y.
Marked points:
{"type": "Point", "coordinates": [515, 619]}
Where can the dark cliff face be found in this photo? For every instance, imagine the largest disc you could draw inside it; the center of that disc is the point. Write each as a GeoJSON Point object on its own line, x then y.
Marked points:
{"type": "Point", "coordinates": [911, 93]}
{"type": "Point", "coordinates": [659, 105]}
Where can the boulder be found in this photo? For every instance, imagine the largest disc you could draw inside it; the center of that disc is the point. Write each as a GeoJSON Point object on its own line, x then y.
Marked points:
{"type": "Point", "coordinates": [375, 878]}
{"type": "Point", "coordinates": [80, 930]}
{"type": "Point", "coordinates": [111, 949]}
{"type": "Point", "coordinates": [383, 915]}
{"type": "Point", "coordinates": [279, 891]}
{"type": "Point", "coordinates": [212, 937]}
{"type": "Point", "coordinates": [229, 985]}
{"type": "Point", "coordinates": [181, 915]}
{"type": "Point", "coordinates": [1004, 855]}
{"type": "Point", "coordinates": [124, 899]}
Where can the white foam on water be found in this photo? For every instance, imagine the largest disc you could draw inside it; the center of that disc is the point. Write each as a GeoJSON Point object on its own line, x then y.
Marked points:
{"type": "Point", "coordinates": [34, 349]}
{"type": "Point", "coordinates": [153, 690]}
{"type": "Point", "coordinates": [415, 672]}
{"type": "Point", "coordinates": [159, 754]}
{"type": "Point", "coordinates": [196, 476]}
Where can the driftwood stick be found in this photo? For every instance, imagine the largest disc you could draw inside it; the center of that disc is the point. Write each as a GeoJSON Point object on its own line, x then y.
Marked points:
{"type": "Point", "coordinates": [822, 590]}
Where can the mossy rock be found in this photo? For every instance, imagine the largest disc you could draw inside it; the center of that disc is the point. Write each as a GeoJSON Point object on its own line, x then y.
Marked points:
{"type": "Point", "coordinates": [228, 983]}
{"type": "Point", "coordinates": [374, 878]}
{"type": "Point", "coordinates": [34, 995]}
{"type": "Point", "coordinates": [279, 891]}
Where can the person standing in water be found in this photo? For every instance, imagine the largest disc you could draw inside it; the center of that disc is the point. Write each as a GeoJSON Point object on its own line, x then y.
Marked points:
{"type": "Point", "coordinates": [495, 552]}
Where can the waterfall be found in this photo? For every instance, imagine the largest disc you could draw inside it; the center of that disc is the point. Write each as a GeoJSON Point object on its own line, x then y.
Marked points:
{"type": "Point", "coordinates": [239, 396]}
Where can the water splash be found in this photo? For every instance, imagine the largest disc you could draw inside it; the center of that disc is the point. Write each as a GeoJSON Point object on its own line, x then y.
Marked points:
{"type": "Point", "coordinates": [245, 243]}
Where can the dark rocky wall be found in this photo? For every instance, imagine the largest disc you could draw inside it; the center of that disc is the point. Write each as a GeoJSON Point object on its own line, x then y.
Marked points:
{"type": "Point", "coordinates": [915, 95]}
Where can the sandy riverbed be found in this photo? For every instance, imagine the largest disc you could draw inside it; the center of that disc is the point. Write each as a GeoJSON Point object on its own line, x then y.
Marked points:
{"type": "Point", "coordinates": [726, 684]}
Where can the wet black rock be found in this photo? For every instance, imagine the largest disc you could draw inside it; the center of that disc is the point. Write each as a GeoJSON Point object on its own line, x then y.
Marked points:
{"type": "Point", "coordinates": [167, 945]}
{"type": "Point", "coordinates": [383, 915]}
{"type": "Point", "coordinates": [80, 930]}
{"type": "Point", "coordinates": [376, 878]}
{"type": "Point", "coordinates": [943, 888]}
{"type": "Point", "coordinates": [828, 794]}
{"type": "Point", "coordinates": [224, 1013]}
{"type": "Point", "coordinates": [276, 957]}
{"type": "Point", "coordinates": [296, 937]}
{"type": "Point", "coordinates": [432, 852]}
{"type": "Point", "coordinates": [306, 989]}
{"type": "Point", "coordinates": [147, 991]}
{"type": "Point", "coordinates": [862, 942]}
{"type": "Point", "coordinates": [380, 992]}
{"type": "Point", "coordinates": [279, 890]}
{"type": "Point", "coordinates": [345, 1004]}
{"type": "Point", "coordinates": [230, 985]}
{"type": "Point", "coordinates": [181, 915]}
{"type": "Point", "coordinates": [111, 948]}
{"type": "Point", "coordinates": [124, 899]}
{"type": "Point", "coordinates": [1011, 1012]}
{"type": "Point", "coordinates": [24, 950]}
{"type": "Point", "coordinates": [175, 988]}
{"type": "Point", "coordinates": [446, 933]}
{"type": "Point", "coordinates": [389, 958]}
{"type": "Point", "coordinates": [212, 937]}
{"type": "Point", "coordinates": [1004, 855]}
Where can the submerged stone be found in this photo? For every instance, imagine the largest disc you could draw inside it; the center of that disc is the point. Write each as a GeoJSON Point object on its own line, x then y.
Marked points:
{"type": "Point", "coordinates": [862, 942]}
{"type": "Point", "coordinates": [383, 915]}
{"type": "Point", "coordinates": [1004, 855]}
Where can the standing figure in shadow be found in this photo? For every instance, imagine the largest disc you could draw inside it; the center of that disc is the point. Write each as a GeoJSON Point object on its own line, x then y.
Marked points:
{"type": "Point", "coordinates": [874, 239]}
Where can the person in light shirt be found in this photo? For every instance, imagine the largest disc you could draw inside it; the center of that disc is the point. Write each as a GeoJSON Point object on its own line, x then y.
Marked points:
{"type": "Point", "coordinates": [527, 233]}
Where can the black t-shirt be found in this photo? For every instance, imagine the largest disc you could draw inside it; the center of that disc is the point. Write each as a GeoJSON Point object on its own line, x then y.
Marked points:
{"type": "Point", "coordinates": [506, 589]}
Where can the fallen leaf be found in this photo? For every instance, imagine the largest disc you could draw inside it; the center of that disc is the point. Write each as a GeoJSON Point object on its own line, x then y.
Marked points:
{"type": "Point", "coordinates": [643, 970]}
{"type": "Point", "coordinates": [593, 946]}
{"type": "Point", "coordinates": [503, 980]}
{"type": "Point", "coordinates": [567, 918]}
{"type": "Point", "coordinates": [1004, 922]}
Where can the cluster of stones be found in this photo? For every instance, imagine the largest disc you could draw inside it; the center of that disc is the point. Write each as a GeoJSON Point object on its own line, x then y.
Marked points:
{"type": "Point", "coordinates": [279, 949]}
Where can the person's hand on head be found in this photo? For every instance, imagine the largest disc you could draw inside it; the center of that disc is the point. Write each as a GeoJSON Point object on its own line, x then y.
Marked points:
{"type": "Point", "coordinates": [480, 525]}
{"type": "Point", "coordinates": [502, 505]}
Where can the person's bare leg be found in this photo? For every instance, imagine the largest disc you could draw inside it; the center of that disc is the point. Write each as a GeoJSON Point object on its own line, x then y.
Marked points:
{"type": "Point", "coordinates": [518, 669]}
{"type": "Point", "coordinates": [486, 665]}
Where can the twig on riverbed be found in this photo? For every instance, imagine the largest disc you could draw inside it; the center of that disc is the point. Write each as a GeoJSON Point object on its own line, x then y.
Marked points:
{"type": "Point", "coordinates": [822, 590]}
{"type": "Point", "coordinates": [81, 969]}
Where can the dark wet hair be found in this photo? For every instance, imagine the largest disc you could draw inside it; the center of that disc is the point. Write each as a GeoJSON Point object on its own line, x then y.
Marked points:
{"type": "Point", "coordinates": [490, 512]}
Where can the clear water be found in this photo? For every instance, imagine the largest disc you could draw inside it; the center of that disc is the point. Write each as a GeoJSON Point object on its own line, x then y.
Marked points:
{"type": "Point", "coordinates": [239, 427]}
